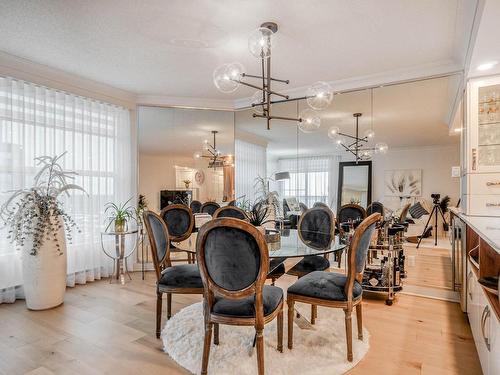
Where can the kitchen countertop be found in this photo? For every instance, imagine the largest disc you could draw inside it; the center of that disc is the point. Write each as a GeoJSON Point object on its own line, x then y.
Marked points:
{"type": "Point", "coordinates": [487, 227]}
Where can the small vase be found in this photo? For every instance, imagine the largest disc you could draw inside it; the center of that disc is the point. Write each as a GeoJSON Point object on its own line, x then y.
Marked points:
{"type": "Point", "coordinates": [120, 227]}
{"type": "Point", "coordinates": [186, 185]}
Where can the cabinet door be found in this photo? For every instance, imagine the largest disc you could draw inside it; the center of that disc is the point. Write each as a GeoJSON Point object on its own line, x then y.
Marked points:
{"type": "Point", "coordinates": [484, 125]}
{"type": "Point", "coordinates": [494, 365]}
{"type": "Point", "coordinates": [483, 326]}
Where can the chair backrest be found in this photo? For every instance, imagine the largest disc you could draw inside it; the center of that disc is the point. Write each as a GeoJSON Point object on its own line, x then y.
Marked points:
{"type": "Point", "coordinates": [232, 203]}
{"type": "Point", "coordinates": [233, 260]}
{"type": "Point", "coordinates": [179, 220]}
{"type": "Point", "coordinates": [316, 228]}
{"type": "Point", "coordinates": [195, 206]}
{"type": "Point", "coordinates": [303, 207]}
{"type": "Point", "coordinates": [320, 204]}
{"type": "Point", "coordinates": [209, 208]}
{"type": "Point", "coordinates": [350, 211]}
{"type": "Point", "coordinates": [158, 239]}
{"type": "Point", "coordinates": [230, 211]}
{"type": "Point", "coordinates": [358, 250]}
{"type": "Point", "coordinates": [375, 207]}
{"type": "Point", "coordinates": [404, 213]}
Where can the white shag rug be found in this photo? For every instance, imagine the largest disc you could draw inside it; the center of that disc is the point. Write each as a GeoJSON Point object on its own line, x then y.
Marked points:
{"type": "Point", "coordinates": [320, 349]}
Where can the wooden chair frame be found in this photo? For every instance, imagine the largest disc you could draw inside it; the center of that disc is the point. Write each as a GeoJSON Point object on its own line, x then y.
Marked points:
{"type": "Point", "coordinates": [352, 205]}
{"type": "Point", "coordinates": [232, 208]}
{"type": "Point", "coordinates": [160, 265]}
{"type": "Point", "coordinates": [190, 256]}
{"type": "Point", "coordinates": [347, 305]}
{"type": "Point", "coordinates": [208, 204]}
{"type": "Point", "coordinates": [213, 290]}
{"type": "Point", "coordinates": [404, 213]}
{"type": "Point", "coordinates": [197, 201]}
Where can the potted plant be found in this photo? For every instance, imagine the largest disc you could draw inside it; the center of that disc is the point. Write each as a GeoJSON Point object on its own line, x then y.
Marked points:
{"type": "Point", "coordinates": [445, 202]}
{"type": "Point", "coordinates": [268, 197]}
{"type": "Point", "coordinates": [37, 223]}
{"type": "Point", "coordinates": [120, 215]}
{"type": "Point", "coordinates": [259, 215]}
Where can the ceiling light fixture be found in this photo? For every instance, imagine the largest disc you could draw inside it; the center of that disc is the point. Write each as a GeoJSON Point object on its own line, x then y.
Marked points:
{"type": "Point", "coordinates": [216, 159]}
{"type": "Point", "coordinates": [228, 77]}
{"type": "Point", "coordinates": [487, 66]}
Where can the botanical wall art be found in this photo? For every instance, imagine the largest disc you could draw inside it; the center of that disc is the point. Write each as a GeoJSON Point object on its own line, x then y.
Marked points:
{"type": "Point", "coordinates": [403, 183]}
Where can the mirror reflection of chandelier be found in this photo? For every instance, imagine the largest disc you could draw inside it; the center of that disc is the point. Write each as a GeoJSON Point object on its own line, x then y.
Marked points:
{"type": "Point", "coordinates": [228, 77]}
{"type": "Point", "coordinates": [214, 155]}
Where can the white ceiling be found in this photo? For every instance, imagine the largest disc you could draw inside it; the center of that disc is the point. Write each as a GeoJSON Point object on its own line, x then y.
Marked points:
{"type": "Point", "coordinates": [170, 48]}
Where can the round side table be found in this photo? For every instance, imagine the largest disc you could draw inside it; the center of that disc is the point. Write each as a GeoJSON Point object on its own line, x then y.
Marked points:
{"type": "Point", "coordinates": [120, 254]}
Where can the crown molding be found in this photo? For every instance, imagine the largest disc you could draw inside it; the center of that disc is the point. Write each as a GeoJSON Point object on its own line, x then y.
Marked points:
{"type": "Point", "coordinates": [185, 102]}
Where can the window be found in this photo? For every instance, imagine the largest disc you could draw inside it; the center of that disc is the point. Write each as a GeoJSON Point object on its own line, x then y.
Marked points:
{"type": "Point", "coordinates": [250, 162]}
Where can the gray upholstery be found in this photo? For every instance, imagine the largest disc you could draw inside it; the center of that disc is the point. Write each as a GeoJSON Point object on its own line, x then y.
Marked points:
{"type": "Point", "coordinates": [232, 258]}
{"type": "Point", "coordinates": [178, 221]}
{"type": "Point", "coordinates": [352, 213]}
{"type": "Point", "coordinates": [303, 207]}
{"type": "Point", "coordinates": [195, 206]}
{"type": "Point", "coordinates": [159, 236]}
{"type": "Point", "coordinates": [315, 228]}
{"type": "Point", "coordinates": [324, 285]}
{"type": "Point", "coordinates": [232, 203]}
{"type": "Point", "coordinates": [183, 276]}
{"type": "Point", "coordinates": [209, 208]}
{"type": "Point", "coordinates": [271, 297]}
{"type": "Point", "coordinates": [375, 207]}
{"type": "Point", "coordinates": [232, 212]}
{"type": "Point", "coordinates": [320, 204]}
{"type": "Point", "coordinates": [311, 263]}
{"type": "Point", "coordinates": [362, 249]}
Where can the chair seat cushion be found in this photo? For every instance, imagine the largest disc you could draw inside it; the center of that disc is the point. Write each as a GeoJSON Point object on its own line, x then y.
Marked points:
{"type": "Point", "coordinates": [324, 285]}
{"type": "Point", "coordinates": [271, 296]}
{"type": "Point", "coordinates": [183, 276]}
{"type": "Point", "coordinates": [311, 263]}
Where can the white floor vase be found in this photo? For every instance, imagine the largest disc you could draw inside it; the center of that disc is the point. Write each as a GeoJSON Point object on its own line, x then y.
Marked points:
{"type": "Point", "coordinates": [44, 274]}
{"type": "Point", "coordinates": [319, 350]}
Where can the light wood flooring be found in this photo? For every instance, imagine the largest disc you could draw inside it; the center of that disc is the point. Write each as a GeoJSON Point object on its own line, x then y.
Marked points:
{"type": "Point", "coordinates": [109, 329]}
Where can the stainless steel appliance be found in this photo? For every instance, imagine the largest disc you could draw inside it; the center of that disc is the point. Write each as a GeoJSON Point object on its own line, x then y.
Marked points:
{"type": "Point", "coordinates": [459, 259]}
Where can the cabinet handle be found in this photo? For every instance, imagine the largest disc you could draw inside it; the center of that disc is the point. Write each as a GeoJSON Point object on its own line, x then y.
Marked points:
{"type": "Point", "coordinates": [492, 204]}
{"type": "Point", "coordinates": [469, 289]}
{"type": "Point", "coordinates": [486, 315]}
{"type": "Point", "coordinates": [493, 183]}
{"type": "Point", "coordinates": [474, 159]}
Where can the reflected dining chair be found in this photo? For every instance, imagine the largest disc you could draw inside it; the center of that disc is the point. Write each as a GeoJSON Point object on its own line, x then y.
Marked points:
{"type": "Point", "coordinates": [182, 279]}
{"type": "Point", "coordinates": [350, 211]}
{"type": "Point", "coordinates": [375, 207]}
{"type": "Point", "coordinates": [230, 211]}
{"type": "Point", "coordinates": [180, 222]}
{"type": "Point", "coordinates": [209, 208]}
{"type": "Point", "coordinates": [331, 289]}
{"type": "Point", "coordinates": [320, 204]}
{"type": "Point", "coordinates": [195, 206]}
{"type": "Point", "coordinates": [235, 293]}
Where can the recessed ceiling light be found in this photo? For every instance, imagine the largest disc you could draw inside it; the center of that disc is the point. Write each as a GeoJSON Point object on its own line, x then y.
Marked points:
{"type": "Point", "coordinates": [487, 66]}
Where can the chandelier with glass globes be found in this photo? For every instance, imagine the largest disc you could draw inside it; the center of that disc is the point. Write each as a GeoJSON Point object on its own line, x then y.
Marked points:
{"type": "Point", "coordinates": [228, 77]}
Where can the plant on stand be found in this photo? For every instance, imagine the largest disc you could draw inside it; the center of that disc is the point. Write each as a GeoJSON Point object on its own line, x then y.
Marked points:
{"type": "Point", "coordinates": [258, 216]}
{"type": "Point", "coordinates": [37, 223]}
{"type": "Point", "coordinates": [268, 197]}
{"type": "Point", "coordinates": [120, 215]}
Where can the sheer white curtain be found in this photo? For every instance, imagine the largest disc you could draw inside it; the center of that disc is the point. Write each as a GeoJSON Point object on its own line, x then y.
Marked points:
{"type": "Point", "coordinates": [36, 121]}
{"type": "Point", "coordinates": [250, 162]}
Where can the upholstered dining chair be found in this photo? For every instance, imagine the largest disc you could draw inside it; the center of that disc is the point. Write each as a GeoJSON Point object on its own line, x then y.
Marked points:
{"type": "Point", "coordinates": [209, 208]}
{"type": "Point", "coordinates": [375, 207]}
{"type": "Point", "coordinates": [182, 279]}
{"type": "Point", "coordinates": [303, 207]}
{"type": "Point", "coordinates": [195, 206]}
{"type": "Point", "coordinates": [320, 204]}
{"type": "Point", "coordinates": [350, 211]}
{"type": "Point", "coordinates": [330, 289]}
{"type": "Point", "coordinates": [230, 211]}
{"type": "Point", "coordinates": [235, 293]}
{"type": "Point", "coordinates": [180, 222]}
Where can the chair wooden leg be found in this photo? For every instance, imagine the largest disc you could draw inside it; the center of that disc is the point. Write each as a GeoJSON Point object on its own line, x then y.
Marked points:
{"type": "Point", "coordinates": [291, 314]}
{"type": "Point", "coordinates": [206, 348]}
{"type": "Point", "coordinates": [280, 331]}
{"type": "Point", "coordinates": [216, 333]}
{"type": "Point", "coordinates": [169, 305]}
{"type": "Point", "coordinates": [158, 313]}
{"type": "Point", "coordinates": [314, 313]}
{"type": "Point", "coordinates": [348, 333]}
{"type": "Point", "coordinates": [260, 350]}
{"type": "Point", "coordinates": [359, 318]}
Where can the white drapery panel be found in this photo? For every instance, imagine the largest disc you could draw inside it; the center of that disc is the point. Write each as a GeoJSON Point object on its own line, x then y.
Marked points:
{"type": "Point", "coordinates": [312, 179]}
{"type": "Point", "coordinates": [36, 121]}
{"type": "Point", "coordinates": [250, 162]}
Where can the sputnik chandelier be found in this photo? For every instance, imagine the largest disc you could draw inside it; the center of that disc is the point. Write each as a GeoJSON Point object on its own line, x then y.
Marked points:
{"type": "Point", "coordinates": [228, 77]}
{"type": "Point", "coordinates": [214, 155]}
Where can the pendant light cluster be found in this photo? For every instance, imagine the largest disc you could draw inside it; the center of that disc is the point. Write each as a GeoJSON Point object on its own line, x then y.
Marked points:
{"type": "Point", "coordinates": [213, 154]}
{"type": "Point", "coordinates": [228, 77]}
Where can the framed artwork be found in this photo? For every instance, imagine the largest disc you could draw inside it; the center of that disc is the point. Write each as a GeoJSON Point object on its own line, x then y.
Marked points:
{"type": "Point", "coordinates": [403, 183]}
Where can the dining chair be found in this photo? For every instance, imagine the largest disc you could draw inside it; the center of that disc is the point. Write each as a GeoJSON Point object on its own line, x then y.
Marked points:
{"type": "Point", "coordinates": [350, 211]}
{"type": "Point", "coordinates": [235, 293]}
{"type": "Point", "coordinates": [375, 207]}
{"type": "Point", "coordinates": [182, 279]}
{"type": "Point", "coordinates": [320, 204]}
{"type": "Point", "coordinates": [331, 289]}
{"type": "Point", "coordinates": [180, 222]}
{"type": "Point", "coordinates": [303, 207]}
{"type": "Point", "coordinates": [195, 206]}
{"type": "Point", "coordinates": [230, 211]}
{"type": "Point", "coordinates": [209, 208]}
{"type": "Point", "coordinates": [232, 203]}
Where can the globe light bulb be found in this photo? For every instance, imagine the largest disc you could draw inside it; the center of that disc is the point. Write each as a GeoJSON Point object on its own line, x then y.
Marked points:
{"type": "Point", "coordinates": [197, 155]}
{"type": "Point", "coordinates": [369, 133]}
{"type": "Point", "coordinates": [339, 143]}
{"type": "Point", "coordinates": [319, 95]}
{"type": "Point", "coordinates": [366, 154]}
{"type": "Point", "coordinates": [381, 148]}
{"type": "Point", "coordinates": [257, 99]}
{"type": "Point", "coordinates": [333, 132]}
{"type": "Point", "coordinates": [310, 121]}
{"type": "Point", "coordinates": [234, 71]}
{"type": "Point", "coordinates": [259, 42]}
{"type": "Point", "coordinates": [226, 77]}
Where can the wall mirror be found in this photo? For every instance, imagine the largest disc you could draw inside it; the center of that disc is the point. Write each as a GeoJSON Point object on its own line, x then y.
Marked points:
{"type": "Point", "coordinates": [355, 183]}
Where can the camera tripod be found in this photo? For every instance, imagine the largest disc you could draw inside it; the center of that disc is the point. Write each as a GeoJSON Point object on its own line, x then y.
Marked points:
{"type": "Point", "coordinates": [434, 212]}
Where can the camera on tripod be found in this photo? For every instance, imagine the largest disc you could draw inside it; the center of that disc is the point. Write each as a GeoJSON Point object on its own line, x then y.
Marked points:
{"type": "Point", "coordinates": [435, 197]}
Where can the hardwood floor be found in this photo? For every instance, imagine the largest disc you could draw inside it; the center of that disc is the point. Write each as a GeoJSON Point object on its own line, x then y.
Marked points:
{"type": "Point", "coordinates": [109, 329]}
